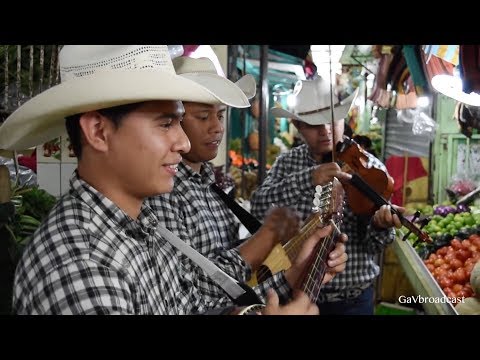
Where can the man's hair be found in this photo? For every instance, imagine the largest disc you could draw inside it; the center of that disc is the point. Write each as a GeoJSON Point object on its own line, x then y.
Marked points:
{"type": "Point", "coordinates": [115, 114]}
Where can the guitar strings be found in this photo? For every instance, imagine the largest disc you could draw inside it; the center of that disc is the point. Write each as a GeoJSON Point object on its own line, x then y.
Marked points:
{"type": "Point", "coordinates": [313, 282]}
{"type": "Point", "coordinates": [292, 246]}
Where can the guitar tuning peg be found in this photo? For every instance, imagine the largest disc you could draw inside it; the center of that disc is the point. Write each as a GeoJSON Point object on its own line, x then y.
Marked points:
{"type": "Point", "coordinates": [316, 201]}
{"type": "Point", "coordinates": [318, 189]}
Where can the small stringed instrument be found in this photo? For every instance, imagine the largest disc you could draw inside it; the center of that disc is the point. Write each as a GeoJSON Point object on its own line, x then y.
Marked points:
{"type": "Point", "coordinates": [311, 281]}
{"type": "Point", "coordinates": [281, 256]}
{"type": "Point", "coordinates": [368, 188]}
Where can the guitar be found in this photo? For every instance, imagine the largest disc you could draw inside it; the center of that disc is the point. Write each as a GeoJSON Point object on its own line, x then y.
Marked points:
{"type": "Point", "coordinates": [281, 256]}
{"type": "Point", "coordinates": [311, 281]}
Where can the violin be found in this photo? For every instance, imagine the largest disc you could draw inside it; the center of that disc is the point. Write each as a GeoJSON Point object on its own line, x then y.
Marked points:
{"type": "Point", "coordinates": [355, 161]}
{"type": "Point", "coordinates": [369, 187]}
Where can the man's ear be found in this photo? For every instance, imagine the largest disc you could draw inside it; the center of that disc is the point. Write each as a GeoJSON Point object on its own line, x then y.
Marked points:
{"type": "Point", "coordinates": [95, 128]}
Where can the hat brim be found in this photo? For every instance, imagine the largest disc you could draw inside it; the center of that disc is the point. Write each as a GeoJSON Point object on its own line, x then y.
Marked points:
{"type": "Point", "coordinates": [321, 117]}
{"type": "Point", "coordinates": [43, 117]}
{"type": "Point", "coordinates": [248, 85]}
{"type": "Point", "coordinates": [224, 89]}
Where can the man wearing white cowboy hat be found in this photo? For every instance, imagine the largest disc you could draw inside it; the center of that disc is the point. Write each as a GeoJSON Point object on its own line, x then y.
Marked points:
{"type": "Point", "coordinates": [196, 213]}
{"type": "Point", "coordinates": [99, 251]}
{"type": "Point", "coordinates": [293, 177]}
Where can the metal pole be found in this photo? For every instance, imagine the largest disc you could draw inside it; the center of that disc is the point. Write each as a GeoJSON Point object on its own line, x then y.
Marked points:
{"type": "Point", "coordinates": [232, 74]}
{"type": "Point", "coordinates": [264, 106]}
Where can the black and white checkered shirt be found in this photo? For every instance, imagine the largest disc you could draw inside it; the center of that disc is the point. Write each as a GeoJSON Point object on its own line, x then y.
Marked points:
{"type": "Point", "coordinates": [89, 257]}
{"type": "Point", "coordinates": [195, 213]}
{"type": "Point", "coordinates": [289, 183]}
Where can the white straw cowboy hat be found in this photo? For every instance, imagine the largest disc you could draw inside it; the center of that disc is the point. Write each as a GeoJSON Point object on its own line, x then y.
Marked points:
{"type": "Point", "coordinates": [312, 103]}
{"type": "Point", "coordinates": [100, 76]}
{"type": "Point", "coordinates": [202, 71]}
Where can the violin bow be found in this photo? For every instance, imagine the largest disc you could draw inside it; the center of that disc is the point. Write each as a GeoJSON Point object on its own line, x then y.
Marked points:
{"type": "Point", "coordinates": [332, 120]}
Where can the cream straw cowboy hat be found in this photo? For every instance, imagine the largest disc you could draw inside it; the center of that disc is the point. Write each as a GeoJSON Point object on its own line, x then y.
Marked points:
{"type": "Point", "coordinates": [100, 76]}
{"type": "Point", "coordinates": [203, 71]}
{"type": "Point", "coordinates": [313, 103]}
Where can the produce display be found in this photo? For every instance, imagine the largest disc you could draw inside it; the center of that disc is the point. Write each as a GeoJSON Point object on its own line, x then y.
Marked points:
{"type": "Point", "coordinates": [455, 250]}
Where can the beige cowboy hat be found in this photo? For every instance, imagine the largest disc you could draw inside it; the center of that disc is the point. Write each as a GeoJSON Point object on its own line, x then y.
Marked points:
{"type": "Point", "coordinates": [202, 71]}
{"type": "Point", "coordinates": [312, 103]}
{"type": "Point", "coordinates": [100, 76]}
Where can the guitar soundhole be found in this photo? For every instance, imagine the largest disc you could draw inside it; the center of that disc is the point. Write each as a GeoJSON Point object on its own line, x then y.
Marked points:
{"type": "Point", "coordinates": [263, 273]}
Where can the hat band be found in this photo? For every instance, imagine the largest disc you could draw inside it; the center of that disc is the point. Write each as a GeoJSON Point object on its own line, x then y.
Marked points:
{"type": "Point", "coordinates": [318, 110]}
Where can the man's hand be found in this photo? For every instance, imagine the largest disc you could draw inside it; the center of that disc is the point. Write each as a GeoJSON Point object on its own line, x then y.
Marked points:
{"type": "Point", "coordinates": [383, 217]}
{"type": "Point", "coordinates": [337, 259]}
{"type": "Point", "coordinates": [299, 305]}
{"type": "Point", "coordinates": [324, 173]}
{"type": "Point", "coordinates": [281, 224]}
{"type": "Point", "coordinates": [292, 275]}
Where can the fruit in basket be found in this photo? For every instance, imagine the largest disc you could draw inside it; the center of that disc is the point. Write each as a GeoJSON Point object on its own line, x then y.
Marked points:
{"type": "Point", "coordinates": [452, 266]}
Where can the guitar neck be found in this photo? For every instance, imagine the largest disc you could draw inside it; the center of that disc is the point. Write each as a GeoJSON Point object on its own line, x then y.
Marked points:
{"type": "Point", "coordinates": [292, 247]}
{"type": "Point", "coordinates": [311, 282]}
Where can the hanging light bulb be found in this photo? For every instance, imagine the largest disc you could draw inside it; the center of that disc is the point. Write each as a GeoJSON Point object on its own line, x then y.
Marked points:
{"type": "Point", "coordinates": [452, 86]}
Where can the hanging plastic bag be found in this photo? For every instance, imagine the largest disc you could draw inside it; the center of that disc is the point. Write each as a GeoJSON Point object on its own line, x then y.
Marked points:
{"type": "Point", "coordinates": [424, 125]}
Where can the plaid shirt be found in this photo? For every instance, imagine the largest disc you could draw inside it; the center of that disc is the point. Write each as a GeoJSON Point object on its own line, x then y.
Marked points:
{"type": "Point", "coordinates": [89, 257]}
{"type": "Point", "coordinates": [195, 213]}
{"type": "Point", "coordinates": [289, 183]}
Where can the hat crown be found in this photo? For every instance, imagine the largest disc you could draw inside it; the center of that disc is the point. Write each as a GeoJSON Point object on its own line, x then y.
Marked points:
{"type": "Point", "coordinates": [78, 61]}
{"type": "Point", "coordinates": [185, 65]}
{"type": "Point", "coordinates": [312, 95]}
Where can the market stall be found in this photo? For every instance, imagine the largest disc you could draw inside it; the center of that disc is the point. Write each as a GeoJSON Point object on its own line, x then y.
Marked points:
{"type": "Point", "coordinates": [422, 281]}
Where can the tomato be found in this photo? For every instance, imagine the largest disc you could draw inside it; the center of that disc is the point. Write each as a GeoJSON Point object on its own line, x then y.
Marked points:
{"type": "Point", "coordinates": [439, 262]}
{"type": "Point", "coordinates": [457, 287]}
{"type": "Point", "coordinates": [442, 251]}
{"type": "Point", "coordinates": [473, 249]}
{"type": "Point", "coordinates": [445, 266]}
{"type": "Point", "coordinates": [466, 243]}
{"type": "Point", "coordinates": [449, 257]}
{"type": "Point", "coordinates": [455, 264]}
{"type": "Point", "coordinates": [456, 244]}
{"type": "Point", "coordinates": [445, 282]}
{"type": "Point", "coordinates": [460, 276]}
{"type": "Point", "coordinates": [463, 254]}
{"type": "Point", "coordinates": [476, 241]}
{"type": "Point", "coordinates": [469, 262]}
{"type": "Point", "coordinates": [430, 267]}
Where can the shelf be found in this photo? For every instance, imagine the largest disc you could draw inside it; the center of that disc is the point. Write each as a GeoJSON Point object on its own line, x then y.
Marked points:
{"type": "Point", "coordinates": [421, 280]}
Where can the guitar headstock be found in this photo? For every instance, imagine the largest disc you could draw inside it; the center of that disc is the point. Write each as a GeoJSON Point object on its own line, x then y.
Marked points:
{"type": "Point", "coordinates": [328, 201]}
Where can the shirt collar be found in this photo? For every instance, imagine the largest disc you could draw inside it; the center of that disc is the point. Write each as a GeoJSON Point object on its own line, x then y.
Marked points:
{"type": "Point", "coordinates": [206, 175]}
{"type": "Point", "coordinates": [104, 207]}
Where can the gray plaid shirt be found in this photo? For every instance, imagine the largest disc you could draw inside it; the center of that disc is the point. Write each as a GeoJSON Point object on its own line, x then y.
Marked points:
{"type": "Point", "coordinates": [195, 213]}
{"type": "Point", "coordinates": [89, 257]}
{"type": "Point", "coordinates": [289, 183]}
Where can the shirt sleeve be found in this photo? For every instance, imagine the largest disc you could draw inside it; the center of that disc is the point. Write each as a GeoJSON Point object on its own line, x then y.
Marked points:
{"type": "Point", "coordinates": [281, 187]}
{"type": "Point", "coordinates": [379, 238]}
{"type": "Point", "coordinates": [77, 288]}
{"type": "Point", "coordinates": [279, 283]}
{"type": "Point", "coordinates": [169, 211]}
